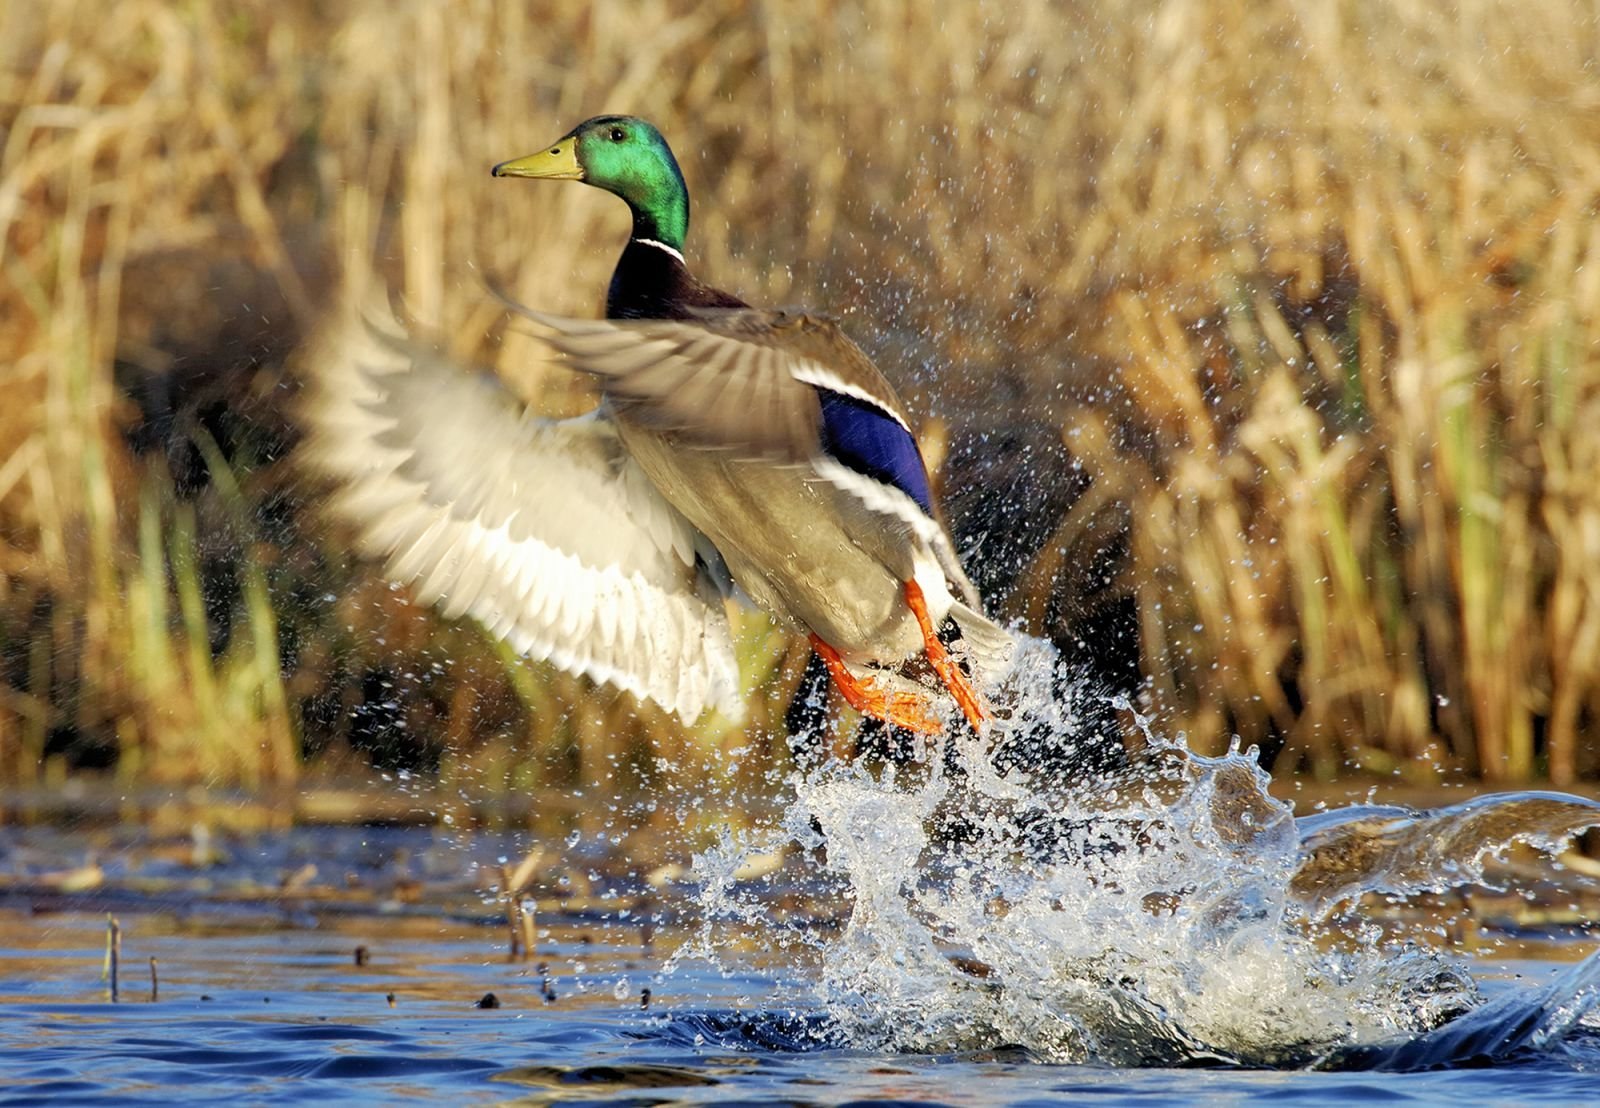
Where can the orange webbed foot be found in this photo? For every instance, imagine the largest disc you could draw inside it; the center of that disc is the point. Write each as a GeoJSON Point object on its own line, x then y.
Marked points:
{"type": "Point", "coordinates": [902, 709]}
{"type": "Point", "coordinates": [959, 684]}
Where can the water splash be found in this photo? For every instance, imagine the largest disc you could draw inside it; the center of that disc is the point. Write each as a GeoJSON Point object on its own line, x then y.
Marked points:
{"type": "Point", "coordinates": [1351, 851]}
{"type": "Point", "coordinates": [1171, 913]}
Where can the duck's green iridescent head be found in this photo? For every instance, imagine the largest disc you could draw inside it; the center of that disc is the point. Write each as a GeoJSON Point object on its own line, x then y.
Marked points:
{"type": "Point", "coordinates": [623, 155]}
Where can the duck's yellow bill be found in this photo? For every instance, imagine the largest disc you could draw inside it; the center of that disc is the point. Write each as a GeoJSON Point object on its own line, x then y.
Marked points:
{"type": "Point", "coordinates": [559, 163]}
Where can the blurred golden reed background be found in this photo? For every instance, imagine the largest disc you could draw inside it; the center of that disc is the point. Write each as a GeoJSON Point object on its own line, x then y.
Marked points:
{"type": "Point", "coordinates": [1257, 344]}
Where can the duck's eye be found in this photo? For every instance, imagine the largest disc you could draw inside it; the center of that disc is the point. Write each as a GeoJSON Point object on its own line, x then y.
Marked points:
{"type": "Point", "coordinates": [618, 134]}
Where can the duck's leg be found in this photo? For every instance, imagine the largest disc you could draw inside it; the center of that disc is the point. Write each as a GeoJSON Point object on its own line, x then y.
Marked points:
{"type": "Point", "coordinates": [949, 672]}
{"type": "Point", "coordinates": [899, 708]}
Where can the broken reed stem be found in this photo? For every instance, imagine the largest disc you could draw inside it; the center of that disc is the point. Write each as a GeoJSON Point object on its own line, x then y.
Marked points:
{"type": "Point", "coordinates": [519, 920]}
{"type": "Point", "coordinates": [513, 909]}
{"type": "Point", "coordinates": [113, 962]}
{"type": "Point", "coordinates": [520, 910]}
{"type": "Point", "coordinates": [520, 916]}
{"type": "Point", "coordinates": [528, 913]}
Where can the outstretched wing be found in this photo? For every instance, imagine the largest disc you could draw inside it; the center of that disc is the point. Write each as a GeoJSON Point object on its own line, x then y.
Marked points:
{"type": "Point", "coordinates": [786, 386]}
{"type": "Point", "coordinates": [545, 531]}
{"type": "Point", "coordinates": [709, 383]}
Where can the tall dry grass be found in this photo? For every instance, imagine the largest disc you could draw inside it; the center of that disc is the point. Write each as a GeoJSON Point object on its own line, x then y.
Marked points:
{"type": "Point", "coordinates": [1308, 291]}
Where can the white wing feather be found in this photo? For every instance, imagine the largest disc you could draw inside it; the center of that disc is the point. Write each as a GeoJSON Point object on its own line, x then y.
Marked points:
{"type": "Point", "coordinates": [544, 531]}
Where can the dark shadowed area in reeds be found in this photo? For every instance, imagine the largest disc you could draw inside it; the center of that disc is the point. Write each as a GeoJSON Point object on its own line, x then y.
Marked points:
{"type": "Point", "coordinates": [1257, 348]}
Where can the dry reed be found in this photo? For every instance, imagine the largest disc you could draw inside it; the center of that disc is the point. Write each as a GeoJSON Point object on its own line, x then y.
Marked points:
{"type": "Point", "coordinates": [1308, 290]}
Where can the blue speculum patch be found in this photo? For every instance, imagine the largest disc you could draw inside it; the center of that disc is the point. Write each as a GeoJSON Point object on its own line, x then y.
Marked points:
{"type": "Point", "coordinates": [867, 439]}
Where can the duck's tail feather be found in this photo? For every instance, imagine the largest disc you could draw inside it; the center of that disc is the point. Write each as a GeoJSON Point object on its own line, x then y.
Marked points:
{"type": "Point", "coordinates": [990, 647]}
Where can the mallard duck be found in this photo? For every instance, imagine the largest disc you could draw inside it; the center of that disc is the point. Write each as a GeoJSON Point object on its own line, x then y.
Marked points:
{"type": "Point", "coordinates": [735, 449]}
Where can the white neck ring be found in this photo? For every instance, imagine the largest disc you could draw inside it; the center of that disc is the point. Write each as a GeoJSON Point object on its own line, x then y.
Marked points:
{"type": "Point", "coordinates": [662, 246]}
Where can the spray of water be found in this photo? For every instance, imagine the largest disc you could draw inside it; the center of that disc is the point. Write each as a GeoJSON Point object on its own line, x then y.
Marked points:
{"type": "Point", "coordinates": [1172, 912]}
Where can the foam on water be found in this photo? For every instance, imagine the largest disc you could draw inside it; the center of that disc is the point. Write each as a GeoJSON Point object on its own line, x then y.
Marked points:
{"type": "Point", "coordinates": [1172, 913]}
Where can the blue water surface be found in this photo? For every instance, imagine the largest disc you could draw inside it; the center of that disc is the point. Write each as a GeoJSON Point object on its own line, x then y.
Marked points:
{"type": "Point", "coordinates": [283, 1014]}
